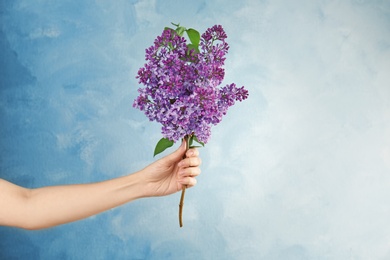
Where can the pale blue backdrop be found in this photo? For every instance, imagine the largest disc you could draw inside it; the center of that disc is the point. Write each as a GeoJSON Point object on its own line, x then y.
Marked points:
{"type": "Point", "coordinates": [301, 170]}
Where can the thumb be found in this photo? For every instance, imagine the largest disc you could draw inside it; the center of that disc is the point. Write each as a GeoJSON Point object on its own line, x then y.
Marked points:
{"type": "Point", "coordinates": [178, 154]}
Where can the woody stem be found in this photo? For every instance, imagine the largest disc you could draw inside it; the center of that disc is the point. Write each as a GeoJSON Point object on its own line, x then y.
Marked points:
{"type": "Point", "coordinates": [183, 191]}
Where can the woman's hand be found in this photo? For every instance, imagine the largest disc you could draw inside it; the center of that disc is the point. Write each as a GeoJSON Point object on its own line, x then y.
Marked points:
{"type": "Point", "coordinates": [170, 173]}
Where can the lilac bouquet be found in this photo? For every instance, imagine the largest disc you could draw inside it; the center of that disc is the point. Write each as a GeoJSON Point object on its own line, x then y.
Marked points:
{"type": "Point", "coordinates": [182, 85]}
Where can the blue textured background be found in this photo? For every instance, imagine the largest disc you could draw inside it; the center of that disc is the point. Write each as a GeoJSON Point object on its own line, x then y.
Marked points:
{"type": "Point", "coordinates": [301, 170]}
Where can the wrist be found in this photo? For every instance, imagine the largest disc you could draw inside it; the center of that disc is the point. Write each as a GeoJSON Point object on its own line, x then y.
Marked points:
{"type": "Point", "coordinates": [137, 185]}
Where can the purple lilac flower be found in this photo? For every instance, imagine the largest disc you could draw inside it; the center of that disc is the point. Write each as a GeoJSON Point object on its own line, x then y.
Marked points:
{"type": "Point", "coordinates": [182, 91]}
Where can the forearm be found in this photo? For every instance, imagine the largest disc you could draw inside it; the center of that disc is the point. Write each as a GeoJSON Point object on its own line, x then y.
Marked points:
{"type": "Point", "coordinates": [51, 206]}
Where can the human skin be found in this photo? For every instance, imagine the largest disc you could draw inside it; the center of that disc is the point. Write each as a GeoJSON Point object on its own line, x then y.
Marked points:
{"type": "Point", "coordinates": [55, 205]}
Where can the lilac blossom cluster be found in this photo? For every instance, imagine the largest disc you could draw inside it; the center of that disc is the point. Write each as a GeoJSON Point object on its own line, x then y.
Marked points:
{"type": "Point", "coordinates": [182, 85]}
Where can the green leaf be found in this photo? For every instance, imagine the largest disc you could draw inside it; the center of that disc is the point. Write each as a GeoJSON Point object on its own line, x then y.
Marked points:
{"type": "Point", "coordinates": [191, 140]}
{"type": "Point", "coordinates": [194, 138]}
{"type": "Point", "coordinates": [180, 30]}
{"type": "Point", "coordinates": [194, 36]}
{"type": "Point", "coordinates": [163, 144]}
{"type": "Point", "coordinates": [199, 142]}
{"type": "Point", "coordinates": [177, 25]}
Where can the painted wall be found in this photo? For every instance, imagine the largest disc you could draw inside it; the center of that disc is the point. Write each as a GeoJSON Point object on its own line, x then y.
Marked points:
{"type": "Point", "coordinates": [301, 170]}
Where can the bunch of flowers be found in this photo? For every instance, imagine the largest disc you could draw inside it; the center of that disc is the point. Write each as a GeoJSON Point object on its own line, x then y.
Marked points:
{"type": "Point", "coordinates": [182, 84]}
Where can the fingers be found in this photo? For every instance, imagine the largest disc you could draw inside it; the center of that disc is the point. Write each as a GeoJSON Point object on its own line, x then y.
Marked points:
{"type": "Point", "coordinates": [176, 155]}
{"type": "Point", "coordinates": [189, 172]}
{"type": "Point", "coordinates": [190, 162]}
{"type": "Point", "coordinates": [187, 176]}
{"type": "Point", "coordinates": [189, 168]}
{"type": "Point", "coordinates": [188, 181]}
{"type": "Point", "coordinates": [193, 152]}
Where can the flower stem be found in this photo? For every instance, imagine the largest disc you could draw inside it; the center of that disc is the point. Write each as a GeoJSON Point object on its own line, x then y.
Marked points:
{"type": "Point", "coordinates": [183, 191]}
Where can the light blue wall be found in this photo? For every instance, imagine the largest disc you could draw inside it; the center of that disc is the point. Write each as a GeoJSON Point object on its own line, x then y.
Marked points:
{"type": "Point", "coordinates": [301, 170]}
